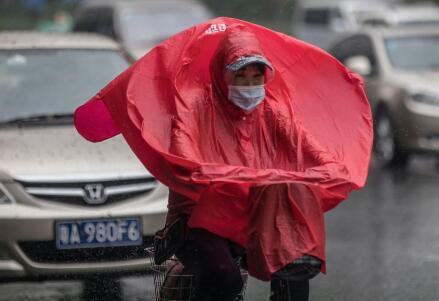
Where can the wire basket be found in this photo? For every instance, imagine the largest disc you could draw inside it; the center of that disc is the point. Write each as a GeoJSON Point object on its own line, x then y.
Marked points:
{"type": "Point", "coordinates": [172, 282]}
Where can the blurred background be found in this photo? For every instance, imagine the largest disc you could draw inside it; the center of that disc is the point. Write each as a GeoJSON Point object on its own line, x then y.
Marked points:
{"type": "Point", "coordinates": [37, 14]}
{"type": "Point", "coordinates": [56, 15]}
{"type": "Point", "coordinates": [382, 244]}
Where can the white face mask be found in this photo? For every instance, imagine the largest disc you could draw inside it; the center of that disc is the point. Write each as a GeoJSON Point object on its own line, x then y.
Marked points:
{"type": "Point", "coordinates": [247, 97]}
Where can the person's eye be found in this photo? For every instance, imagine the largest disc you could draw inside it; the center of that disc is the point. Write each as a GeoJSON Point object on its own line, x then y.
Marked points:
{"type": "Point", "coordinates": [242, 81]}
{"type": "Point", "coordinates": [240, 78]}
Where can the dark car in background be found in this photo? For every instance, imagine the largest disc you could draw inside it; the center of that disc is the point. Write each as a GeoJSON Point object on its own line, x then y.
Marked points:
{"type": "Point", "coordinates": [400, 66]}
{"type": "Point", "coordinates": [139, 25]}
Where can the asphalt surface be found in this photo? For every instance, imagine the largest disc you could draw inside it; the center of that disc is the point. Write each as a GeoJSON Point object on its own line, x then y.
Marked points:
{"type": "Point", "coordinates": [382, 244]}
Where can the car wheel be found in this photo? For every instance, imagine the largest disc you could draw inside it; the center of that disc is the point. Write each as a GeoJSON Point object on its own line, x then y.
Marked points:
{"type": "Point", "coordinates": [387, 151]}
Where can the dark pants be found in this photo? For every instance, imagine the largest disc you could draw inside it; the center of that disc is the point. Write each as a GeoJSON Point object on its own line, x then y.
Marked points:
{"type": "Point", "coordinates": [211, 259]}
{"type": "Point", "coordinates": [289, 290]}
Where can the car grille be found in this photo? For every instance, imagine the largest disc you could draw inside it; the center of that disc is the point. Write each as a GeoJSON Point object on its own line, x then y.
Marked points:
{"type": "Point", "coordinates": [90, 193]}
{"type": "Point", "coordinates": [46, 252]}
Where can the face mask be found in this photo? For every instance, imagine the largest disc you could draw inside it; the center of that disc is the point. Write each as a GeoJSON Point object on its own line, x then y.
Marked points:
{"type": "Point", "coordinates": [247, 97]}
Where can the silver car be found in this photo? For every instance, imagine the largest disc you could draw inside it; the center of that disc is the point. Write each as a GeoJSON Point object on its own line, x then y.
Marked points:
{"type": "Point", "coordinates": [401, 71]}
{"type": "Point", "coordinates": [139, 25]}
{"type": "Point", "coordinates": [405, 15]}
{"type": "Point", "coordinates": [320, 21]}
{"type": "Point", "coordinates": [67, 207]}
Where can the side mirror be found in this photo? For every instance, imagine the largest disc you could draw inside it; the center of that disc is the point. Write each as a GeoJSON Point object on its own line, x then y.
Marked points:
{"type": "Point", "coordinates": [359, 64]}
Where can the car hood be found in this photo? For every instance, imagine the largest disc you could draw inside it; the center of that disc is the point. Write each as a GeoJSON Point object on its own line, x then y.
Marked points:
{"type": "Point", "coordinates": [60, 153]}
{"type": "Point", "coordinates": [419, 82]}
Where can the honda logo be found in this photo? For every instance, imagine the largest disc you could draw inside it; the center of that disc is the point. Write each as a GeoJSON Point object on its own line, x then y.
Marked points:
{"type": "Point", "coordinates": [94, 194]}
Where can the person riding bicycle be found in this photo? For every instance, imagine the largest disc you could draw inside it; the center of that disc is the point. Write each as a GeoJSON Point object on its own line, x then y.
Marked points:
{"type": "Point", "coordinates": [239, 86]}
{"type": "Point", "coordinates": [256, 135]}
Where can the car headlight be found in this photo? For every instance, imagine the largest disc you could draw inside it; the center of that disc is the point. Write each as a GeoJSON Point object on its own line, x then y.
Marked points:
{"type": "Point", "coordinates": [425, 99]}
{"type": "Point", "coordinates": [4, 199]}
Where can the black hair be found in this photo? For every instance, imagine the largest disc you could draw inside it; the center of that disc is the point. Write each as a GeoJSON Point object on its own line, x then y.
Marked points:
{"type": "Point", "coordinates": [260, 66]}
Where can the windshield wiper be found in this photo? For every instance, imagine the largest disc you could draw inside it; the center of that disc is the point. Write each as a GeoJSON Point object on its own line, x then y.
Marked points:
{"type": "Point", "coordinates": [43, 118]}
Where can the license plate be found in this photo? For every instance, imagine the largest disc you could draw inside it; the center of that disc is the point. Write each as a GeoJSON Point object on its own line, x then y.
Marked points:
{"type": "Point", "coordinates": [95, 233]}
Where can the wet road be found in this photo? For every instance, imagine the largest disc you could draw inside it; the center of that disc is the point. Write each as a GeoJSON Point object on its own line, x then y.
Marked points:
{"type": "Point", "coordinates": [382, 244]}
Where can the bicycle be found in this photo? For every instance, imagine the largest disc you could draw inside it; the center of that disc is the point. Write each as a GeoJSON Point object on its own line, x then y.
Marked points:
{"type": "Point", "coordinates": [172, 282]}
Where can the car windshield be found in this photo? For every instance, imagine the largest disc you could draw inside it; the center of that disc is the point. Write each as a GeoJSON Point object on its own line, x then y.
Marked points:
{"type": "Point", "coordinates": [413, 53]}
{"type": "Point", "coordinates": [155, 24]}
{"type": "Point", "coordinates": [53, 82]}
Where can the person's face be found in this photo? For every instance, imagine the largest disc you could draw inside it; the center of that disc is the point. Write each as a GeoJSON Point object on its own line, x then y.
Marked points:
{"type": "Point", "coordinates": [249, 75]}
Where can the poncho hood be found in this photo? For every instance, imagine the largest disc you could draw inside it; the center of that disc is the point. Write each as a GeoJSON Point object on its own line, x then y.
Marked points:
{"type": "Point", "coordinates": [262, 180]}
{"type": "Point", "coordinates": [239, 42]}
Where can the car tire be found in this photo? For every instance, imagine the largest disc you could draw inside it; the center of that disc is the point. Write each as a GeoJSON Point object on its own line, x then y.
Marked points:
{"type": "Point", "coordinates": [387, 151]}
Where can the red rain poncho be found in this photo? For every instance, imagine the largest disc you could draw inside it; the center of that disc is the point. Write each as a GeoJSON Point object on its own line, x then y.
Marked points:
{"type": "Point", "coordinates": [264, 179]}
